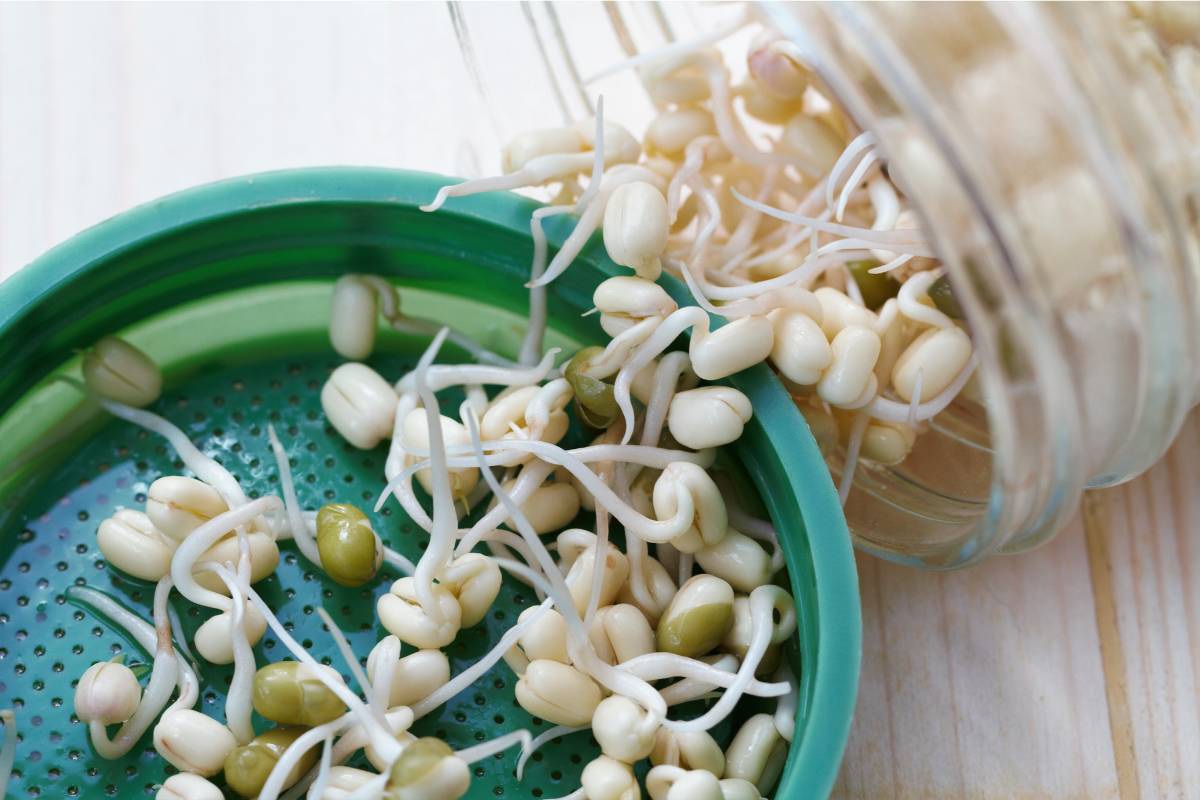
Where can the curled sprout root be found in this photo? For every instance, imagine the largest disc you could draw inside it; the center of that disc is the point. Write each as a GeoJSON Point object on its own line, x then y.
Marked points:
{"type": "Point", "coordinates": [557, 732]}
{"type": "Point", "coordinates": [164, 678]}
{"type": "Point", "coordinates": [238, 705]}
{"type": "Point", "coordinates": [207, 469]}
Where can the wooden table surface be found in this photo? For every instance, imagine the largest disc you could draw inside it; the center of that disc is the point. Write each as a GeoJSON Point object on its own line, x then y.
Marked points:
{"type": "Point", "coordinates": [1067, 672]}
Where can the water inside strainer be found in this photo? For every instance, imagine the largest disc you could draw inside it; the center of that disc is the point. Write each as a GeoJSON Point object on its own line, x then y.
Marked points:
{"type": "Point", "coordinates": [46, 642]}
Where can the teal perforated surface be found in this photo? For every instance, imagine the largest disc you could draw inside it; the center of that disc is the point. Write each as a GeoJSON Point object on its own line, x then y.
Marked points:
{"type": "Point", "coordinates": [50, 641]}
{"type": "Point", "coordinates": [239, 272]}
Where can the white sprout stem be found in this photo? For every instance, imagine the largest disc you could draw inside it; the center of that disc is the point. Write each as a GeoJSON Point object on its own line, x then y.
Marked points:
{"type": "Point", "coordinates": [852, 289]}
{"type": "Point", "coordinates": [666, 333]}
{"type": "Point", "coordinates": [694, 156]}
{"type": "Point", "coordinates": [399, 718]}
{"type": "Point", "coordinates": [591, 218]}
{"type": "Point", "coordinates": [644, 455]}
{"type": "Point", "coordinates": [913, 291]}
{"type": "Point", "coordinates": [755, 528]}
{"type": "Point", "coordinates": [689, 689]}
{"type": "Point", "coordinates": [381, 739]}
{"type": "Point", "coordinates": [300, 532]}
{"type": "Point", "coordinates": [557, 732]}
{"type": "Point", "coordinates": [791, 242]}
{"type": "Point", "coordinates": [711, 213]}
{"type": "Point", "coordinates": [601, 553]}
{"type": "Point", "coordinates": [763, 602]}
{"type": "Point", "coordinates": [826, 256]}
{"type": "Point", "coordinates": [205, 536]}
{"type": "Point", "coordinates": [477, 395]}
{"type": "Point", "coordinates": [371, 790]}
{"type": "Point", "coordinates": [696, 284]}
{"type": "Point", "coordinates": [890, 411]}
{"type": "Point", "coordinates": [785, 706]}
{"type": "Point", "coordinates": [915, 402]}
{"type": "Point", "coordinates": [318, 787]}
{"type": "Point", "coordinates": [648, 529]}
{"type": "Point", "coordinates": [180, 643]}
{"type": "Point", "coordinates": [737, 247]}
{"type": "Point", "coordinates": [507, 539]}
{"type": "Point", "coordinates": [143, 633]}
{"type": "Point", "coordinates": [888, 315]}
{"type": "Point", "coordinates": [762, 301]}
{"type": "Point", "coordinates": [574, 461]}
{"type": "Point", "coordinates": [401, 487]}
{"type": "Point", "coordinates": [380, 691]}
{"type": "Point", "coordinates": [535, 331]}
{"type": "Point", "coordinates": [347, 654]}
{"type": "Point", "coordinates": [500, 551]}
{"type": "Point", "coordinates": [394, 463]}
{"type": "Point", "coordinates": [650, 456]}
{"type": "Point", "coordinates": [477, 670]}
{"type": "Point", "coordinates": [444, 376]}
{"type": "Point", "coordinates": [638, 554]}
{"type": "Point", "coordinates": [164, 677]}
{"type": "Point", "coordinates": [498, 745]}
{"type": "Point", "coordinates": [846, 480]}
{"type": "Point", "coordinates": [658, 666]}
{"type": "Point", "coordinates": [552, 397]}
{"type": "Point", "coordinates": [399, 561]}
{"type": "Point", "coordinates": [238, 700]}
{"type": "Point", "coordinates": [620, 346]}
{"type": "Point", "coordinates": [445, 519]}
{"type": "Point", "coordinates": [809, 205]}
{"type": "Point", "coordinates": [670, 369]}
{"type": "Point", "coordinates": [598, 156]}
{"type": "Point", "coordinates": [852, 184]}
{"type": "Point", "coordinates": [385, 293]}
{"type": "Point", "coordinates": [864, 141]}
{"type": "Point", "coordinates": [296, 750]}
{"type": "Point", "coordinates": [536, 171]}
{"type": "Point", "coordinates": [723, 31]}
{"type": "Point", "coordinates": [529, 574]}
{"type": "Point", "coordinates": [206, 469]}
{"type": "Point", "coordinates": [886, 203]}
{"type": "Point", "coordinates": [668, 556]}
{"type": "Point", "coordinates": [425, 328]}
{"type": "Point", "coordinates": [730, 128]}
{"type": "Point", "coordinates": [906, 240]}
{"type": "Point", "coordinates": [186, 679]}
{"type": "Point", "coordinates": [894, 264]}
{"type": "Point", "coordinates": [687, 562]}
{"type": "Point", "coordinates": [528, 481]}
{"type": "Point", "coordinates": [579, 644]}
{"type": "Point", "coordinates": [8, 752]}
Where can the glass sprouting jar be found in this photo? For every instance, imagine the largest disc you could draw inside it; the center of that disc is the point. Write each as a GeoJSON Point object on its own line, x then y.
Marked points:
{"type": "Point", "coordinates": [1053, 154]}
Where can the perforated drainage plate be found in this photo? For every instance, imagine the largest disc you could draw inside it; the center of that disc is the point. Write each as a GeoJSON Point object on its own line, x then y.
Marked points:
{"type": "Point", "coordinates": [48, 641]}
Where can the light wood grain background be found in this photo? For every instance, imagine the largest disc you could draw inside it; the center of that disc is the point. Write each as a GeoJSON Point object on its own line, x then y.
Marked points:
{"type": "Point", "coordinates": [1067, 672]}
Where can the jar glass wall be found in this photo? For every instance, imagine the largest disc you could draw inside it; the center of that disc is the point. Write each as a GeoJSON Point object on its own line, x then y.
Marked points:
{"type": "Point", "coordinates": [1052, 153]}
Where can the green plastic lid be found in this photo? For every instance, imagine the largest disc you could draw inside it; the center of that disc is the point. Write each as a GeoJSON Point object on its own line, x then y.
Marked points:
{"type": "Point", "coordinates": [227, 287]}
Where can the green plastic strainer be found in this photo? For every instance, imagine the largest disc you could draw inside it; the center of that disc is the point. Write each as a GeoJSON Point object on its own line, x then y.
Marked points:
{"type": "Point", "coordinates": [227, 287]}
